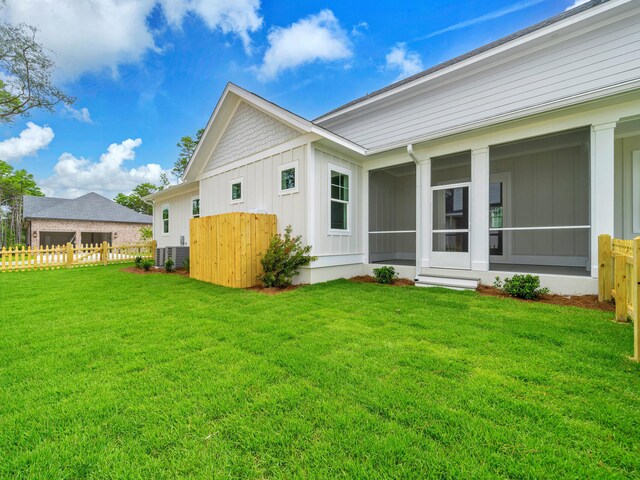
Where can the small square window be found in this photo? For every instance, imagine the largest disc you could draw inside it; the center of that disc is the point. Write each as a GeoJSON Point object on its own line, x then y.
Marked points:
{"type": "Point", "coordinates": [236, 190]}
{"type": "Point", "coordinates": [288, 178]}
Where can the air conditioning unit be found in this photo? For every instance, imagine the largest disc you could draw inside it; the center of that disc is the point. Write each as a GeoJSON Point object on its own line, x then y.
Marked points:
{"type": "Point", "coordinates": [177, 254]}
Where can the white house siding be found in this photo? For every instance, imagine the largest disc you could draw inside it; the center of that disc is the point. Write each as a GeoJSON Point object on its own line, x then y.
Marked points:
{"type": "Point", "coordinates": [249, 131]}
{"type": "Point", "coordinates": [179, 217]}
{"type": "Point", "coordinates": [545, 70]}
{"type": "Point", "coordinates": [260, 190]}
{"type": "Point", "coordinates": [625, 178]}
{"type": "Point", "coordinates": [327, 244]}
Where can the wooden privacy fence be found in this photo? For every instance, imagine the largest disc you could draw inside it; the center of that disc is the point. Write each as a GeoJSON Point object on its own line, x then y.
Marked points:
{"type": "Point", "coordinates": [619, 279]}
{"type": "Point", "coordinates": [226, 249]}
{"type": "Point", "coordinates": [70, 256]}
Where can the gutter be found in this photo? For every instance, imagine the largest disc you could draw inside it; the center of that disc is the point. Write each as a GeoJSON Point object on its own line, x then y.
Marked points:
{"type": "Point", "coordinates": [413, 156]}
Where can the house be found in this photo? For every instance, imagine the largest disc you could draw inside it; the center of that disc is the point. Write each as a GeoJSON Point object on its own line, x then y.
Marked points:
{"type": "Point", "coordinates": [89, 219]}
{"type": "Point", "coordinates": [511, 158]}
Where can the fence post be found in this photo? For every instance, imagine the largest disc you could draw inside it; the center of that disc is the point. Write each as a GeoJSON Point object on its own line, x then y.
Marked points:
{"type": "Point", "coordinates": [620, 271]}
{"type": "Point", "coordinates": [104, 253]}
{"type": "Point", "coordinates": [69, 255]}
{"type": "Point", "coordinates": [154, 246]}
{"type": "Point", "coordinates": [604, 267]}
{"type": "Point", "coordinates": [636, 298]}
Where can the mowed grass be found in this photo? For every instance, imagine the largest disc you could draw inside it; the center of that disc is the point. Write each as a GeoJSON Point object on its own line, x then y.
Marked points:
{"type": "Point", "coordinates": [105, 374]}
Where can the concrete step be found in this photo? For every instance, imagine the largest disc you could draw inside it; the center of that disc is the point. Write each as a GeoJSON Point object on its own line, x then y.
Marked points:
{"type": "Point", "coordinates": [456, 283]}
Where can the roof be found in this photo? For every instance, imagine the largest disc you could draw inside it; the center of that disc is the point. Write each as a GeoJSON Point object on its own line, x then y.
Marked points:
{"type": "Point", "coordinates": [472, 53]}
{"type": "Point", "coordinates": [217, 123]}
{"type": "Point", "coordinates": [91, 207]}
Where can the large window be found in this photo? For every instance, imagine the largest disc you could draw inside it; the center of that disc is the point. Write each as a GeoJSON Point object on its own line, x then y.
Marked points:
{"type": "Point", "coordinates": [339, 179]}
{"type": "Point", "coordinates": [539, 206]}
{"type": "Point", "coordinates": [288, 178]}
{"type": "Point", "coordinates": [165, 219]}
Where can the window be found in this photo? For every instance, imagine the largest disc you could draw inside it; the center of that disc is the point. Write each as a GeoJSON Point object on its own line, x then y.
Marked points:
{"type": "Point", "coordinates": [165, 219]}
{"type": "Point", "coordinates": [339, 198]}
{"type": "Point", "coordinates": [288, 178]}
{"type": "Point", "coordinates": [236, 190]}
{"type": "Point", "coordinates": [195, 207]}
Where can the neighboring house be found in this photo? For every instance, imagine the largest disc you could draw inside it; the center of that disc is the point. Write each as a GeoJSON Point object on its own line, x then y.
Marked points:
{"type": "Point", "coordinates": [511, 158]}
{"type": "Point", "coordinates": [88, 219]}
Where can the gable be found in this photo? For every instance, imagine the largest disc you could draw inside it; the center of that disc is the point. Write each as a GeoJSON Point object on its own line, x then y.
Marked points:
{"type": "Point", "coordinates": [249, 131]}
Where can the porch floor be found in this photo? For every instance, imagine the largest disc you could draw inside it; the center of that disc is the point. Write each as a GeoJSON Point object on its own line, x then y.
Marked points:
{"type": "Point", "coordinates": [544, 269]}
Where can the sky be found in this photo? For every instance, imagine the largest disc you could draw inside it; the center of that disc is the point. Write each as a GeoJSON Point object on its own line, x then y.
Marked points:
{"type": "Point", "coordinates": [147, 72]}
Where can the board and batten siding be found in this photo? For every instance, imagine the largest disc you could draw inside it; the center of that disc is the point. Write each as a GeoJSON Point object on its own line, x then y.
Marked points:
{"type": "Point", "coordinates": [249, 131]}
{"type": "Point", "coordinates": [260, 182]}
{"type": "Point", "coordinates": [546, 70]}
{"type": "Point", "coordinates": [326, 243]}
{"type": "Point", "coordinates": [179, 217]}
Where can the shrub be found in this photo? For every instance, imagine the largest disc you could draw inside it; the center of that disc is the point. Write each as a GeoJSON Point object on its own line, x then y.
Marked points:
{"type": "Point", "coordinates": [138, 262]}
{"type": "Point", "coordinates": [385, 275]}
{"type": "Point", "coordinates": [168, 265]}
{"type": "Point", "coordinates": [186, 264]}
{"type": "Point", "coordinates": [147, 264]}
{"type": "Point", "coordinates": [522, 286]}
{"type": "Point", "coordinates": [283, 258]}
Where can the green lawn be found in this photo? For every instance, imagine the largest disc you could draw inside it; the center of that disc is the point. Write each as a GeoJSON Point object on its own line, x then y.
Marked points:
{"type": "Point", "coordinates": [105, 374]}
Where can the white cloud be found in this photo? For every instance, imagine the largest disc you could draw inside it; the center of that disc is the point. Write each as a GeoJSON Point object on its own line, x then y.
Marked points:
{"type": "Point", "coordinates": [577, 3]}
{"type": "Point", "coordinates": [27, 143]}
{"type": "Point", "coordinates": [81, 115]}
{"type": "Point", "coordinates": [74, 176]}
{"type": "Point", "coordinates": [314, 38]}
{"type": "Point", "coordinates": [90, 36]}
{"type": "Point", "coordinates": [358, 28]}
{"type": "Point", "coordinates": [408, 63]}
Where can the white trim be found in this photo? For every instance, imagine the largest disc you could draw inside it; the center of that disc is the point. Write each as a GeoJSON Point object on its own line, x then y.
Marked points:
{"type": "Point", "coordinates": [559, 227]}
{"type": "Point", "coordinates": [288, 166]}
{"type": "Point", "coordinates": [335, 260]}
{"type": "Point", "coordinates": [331, 167]}
{"type": "Point", "coordinates": [635, 190]}
{"type": "Point", "coordinates": [233, 182]}
{"type": "Point", "coordinates": [162, 209]}
{"type": "Point", "coordinates": [394, 231]}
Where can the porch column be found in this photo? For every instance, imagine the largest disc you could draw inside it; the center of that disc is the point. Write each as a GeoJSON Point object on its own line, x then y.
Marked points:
{"type": "Point", "coordinates": [602, 186]}
{"type": "Point", "coordinates": [424, 223]}
{"type": "Point", "coordinates": [365, 215]}
{"type": "Point", "coordinates": [479, 222]}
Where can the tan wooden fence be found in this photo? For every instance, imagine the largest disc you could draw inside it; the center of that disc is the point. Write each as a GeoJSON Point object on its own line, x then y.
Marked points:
{"type": "Point", "coordinates": [226, 249]}
{"type": "Point", "coordinates": [619, 279]}
{"type": "Point", "coordinates": [70, 256]}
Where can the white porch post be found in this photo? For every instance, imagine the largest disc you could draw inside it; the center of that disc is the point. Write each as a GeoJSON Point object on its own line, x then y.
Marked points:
{"type": "Point", "coordinates": [419, 228]}
{"type": "Point", "coordinates": [365, 215]}
{"type": "Point", "coordinates": [479, 223]}
{"type": "Point", "coordinates": [602, 185]}
{"type": "Point", "coordinates": [425, 208]}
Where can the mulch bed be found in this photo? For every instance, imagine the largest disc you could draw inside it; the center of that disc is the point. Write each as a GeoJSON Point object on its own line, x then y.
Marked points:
{"type": "Point", "coordinates": [582, 301]}
{"type": "Point", "coordinates": [398, 282]}
{"type": "Point", "coordinates": [154, 270]}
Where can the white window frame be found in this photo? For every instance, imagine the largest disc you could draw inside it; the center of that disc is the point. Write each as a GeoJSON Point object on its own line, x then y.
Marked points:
{"type": "Point", "coordinates": [162, 209]}
{"type": "Point", "coordinates": [239, 180]}
{"type": "Point", "coordinates": [195, 197]}
{"type": "Point", "coordinates": [344, 171]}
{"type": "Point", "coordinates": [282, 168]}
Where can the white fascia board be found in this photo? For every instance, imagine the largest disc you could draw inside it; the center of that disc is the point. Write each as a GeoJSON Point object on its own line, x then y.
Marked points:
{"type": "Point", "coordinates": [343, 142]}
{"type": "Point", "coordinates": [173, 191]}
{"type": "Point", "coordinates": [501, 49]}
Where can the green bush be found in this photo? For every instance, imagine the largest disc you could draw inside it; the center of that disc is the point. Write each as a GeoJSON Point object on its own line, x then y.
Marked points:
{"type": "Point", "coordinates": [147, 264]}
{"type": "Point", "coordinates": [168, 265]}
{"type": "Point", "coordinates": [186, 264]}
{"type": "Point", "coordinates": [522, 286]}
{"type": "Point", "coordinates": [145, 233]}
{"type": "Point", "coordinates": [138, 262]}
{"type": "Point", "coordinates": [385, 275]}
{"type": "Point", "coordinates": [283, 258]}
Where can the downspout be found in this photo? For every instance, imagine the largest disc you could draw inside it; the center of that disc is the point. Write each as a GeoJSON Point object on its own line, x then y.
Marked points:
{"type": "Point", "coordinates": [418, 208]}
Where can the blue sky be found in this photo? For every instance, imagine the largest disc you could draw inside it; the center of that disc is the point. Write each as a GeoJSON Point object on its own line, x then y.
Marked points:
{"type": "Point", "coordinates": [146, 72]}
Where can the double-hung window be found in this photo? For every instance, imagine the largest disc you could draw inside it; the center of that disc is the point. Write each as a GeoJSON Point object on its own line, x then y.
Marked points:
{"type": "Point", "coordinates": [165, 219]}
{"type": "Point", "coordinates": [339, 192]}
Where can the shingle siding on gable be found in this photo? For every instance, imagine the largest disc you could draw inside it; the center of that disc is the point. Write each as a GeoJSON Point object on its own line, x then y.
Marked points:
{"type": "Point", "coordinates": [249, 131]}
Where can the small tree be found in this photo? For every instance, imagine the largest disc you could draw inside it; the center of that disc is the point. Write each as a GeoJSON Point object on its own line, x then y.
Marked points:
{"type": "Point", "coordinates": [146, 234]}
{"type": "Point", "coordinates": [283, 258]}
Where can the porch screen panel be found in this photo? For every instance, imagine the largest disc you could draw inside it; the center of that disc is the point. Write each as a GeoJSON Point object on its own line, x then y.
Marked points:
{"type": "Point", "coordinates": [392, 215]}
{"type": "Point", "coordinates": [539, 207]}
